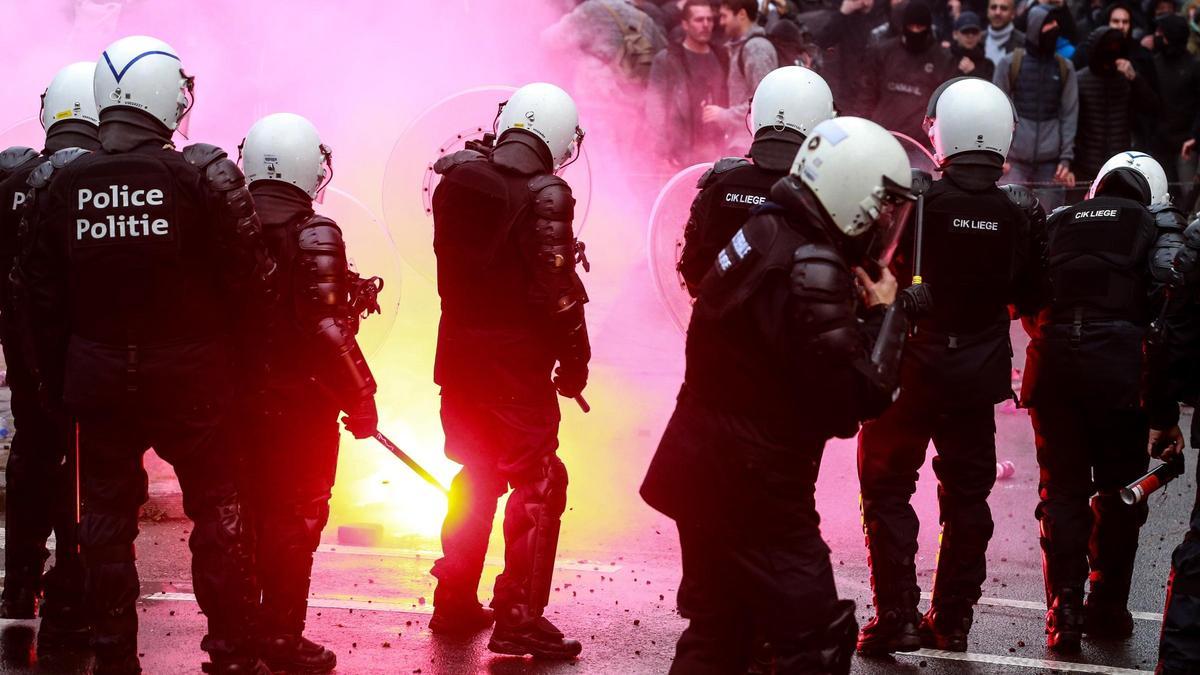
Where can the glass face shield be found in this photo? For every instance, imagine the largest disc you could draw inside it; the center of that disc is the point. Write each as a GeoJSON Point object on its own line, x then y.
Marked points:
{"type": "Point", "coordinates": [187, 99]}
{"type": "Point", "coordinates": [895, 210]}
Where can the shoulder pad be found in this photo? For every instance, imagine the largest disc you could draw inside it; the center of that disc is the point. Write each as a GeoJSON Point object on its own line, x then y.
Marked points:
{"type": "Point", "coordinates": [320, 234]}
{"type": "Point", "coordinates": [819, 268]}
{"type": "Point", "coordinates": [16, 156]}
{"type": "Point", "coordinates": [552, 197]}
{"type": "Point", "coordinates": [1020, 195]}
{"type": "Point", "coordinates": [201, 155]}
{"type": "Point", "coordinates": [1058, 212]}
{"type": "Point", "coordinates": [722, 165]}
{"type": "Point", "coordinates": [448, 162]}
{"type": "Point", "coordinates": [40, 177]}
{"type": "Point", "coordinates": [1167, 217]}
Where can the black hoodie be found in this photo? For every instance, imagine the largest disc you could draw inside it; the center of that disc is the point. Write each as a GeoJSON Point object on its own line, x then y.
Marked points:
{"type": "Point", "coordinates": [1108, 103]}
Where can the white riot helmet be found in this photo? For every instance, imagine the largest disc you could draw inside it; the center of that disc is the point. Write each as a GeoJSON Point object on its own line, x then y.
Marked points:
{"type": "Point", "coordinates": [285, 147]}
{"type": "Point", "coordinates": [859, 173]}
{"type": "Point", "coordinates": [968, 114]}
{"type": "Point", "coordinates": [70, 96]}
{"type": "Point", "coordinates": [547, 112]}
{"type": "Point", "coordinates": [792, 97]}
{"type": "Point", "coordinates": [144, 73]}
{"type": "Point", "coordinates": [1143, 164]}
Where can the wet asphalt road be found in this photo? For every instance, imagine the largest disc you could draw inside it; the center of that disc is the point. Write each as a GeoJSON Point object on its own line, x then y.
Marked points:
{"type": "Point", "coordinates": [372, 605]}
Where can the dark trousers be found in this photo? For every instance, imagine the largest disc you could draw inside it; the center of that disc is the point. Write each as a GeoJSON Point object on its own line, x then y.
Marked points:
{"type": "Point", "coordinates": [501, 444]}
{"type": "Point", "coordinates": [770, 581]}
{"type": "Point", "coordinates": [40, 497]}
{"type": "Point", "coordinates": [1086, 455]}
{"type": "Point", "coordinates": [195, 442]}
{"type": "Point", "coordinates": [1179, 647]}
{"type": "Point", "coordinates": [890, 454]}
{"type": "Point", "coordinates": [290, 458]}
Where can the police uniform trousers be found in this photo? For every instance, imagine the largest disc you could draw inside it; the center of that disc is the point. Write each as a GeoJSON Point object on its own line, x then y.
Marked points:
{"type": "Point", "coordinates": [755, 567]}
{"type": "Point", "coordinates": [501, 443]}
{"type": "Point", "coordinates": [1086, 455]}
{"type": "Point", "coordinates": [195, 439]}
{"type": "Point", "coordinates": [1179, 647]}
{"type": "Point", "coordinates": [890, 454]}
{"type": "Point", "coordinates": [290, 442]}
{"type": "Point", "coordinates": [40, 495]}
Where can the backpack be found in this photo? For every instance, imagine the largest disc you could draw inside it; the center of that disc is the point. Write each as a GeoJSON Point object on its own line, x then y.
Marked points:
{"type": "Point", "coordinates": [637, 51]}
{"type": "Point", "coordinates": [789, 42]}
{"type": "Point", "coordinates": [1014, 68]}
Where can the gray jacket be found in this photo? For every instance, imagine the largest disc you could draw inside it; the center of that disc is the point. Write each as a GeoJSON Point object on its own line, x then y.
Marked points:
{"type": "Point", "coordinates": [1048, 138]}
{"type": "Point", "coordinates": [750, 59]}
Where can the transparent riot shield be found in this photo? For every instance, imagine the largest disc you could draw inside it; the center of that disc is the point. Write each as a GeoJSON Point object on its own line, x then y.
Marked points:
{"type": "Point", "coordinates": [443, 128]}
{"type": "Point", "coordinates": [668, 217]}
{"type": "Point", "coordinates": [371, 252]}
{"type": "Point", "coordinates": [27, 132]}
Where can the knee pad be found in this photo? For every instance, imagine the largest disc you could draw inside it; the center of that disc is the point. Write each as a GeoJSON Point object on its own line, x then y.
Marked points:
{"type": "Point", "coordinates": [545, 484]}
{"type": "Point", "coordinates": [314, 514]}
{"type": "Point", "coordinates": [109, 554]}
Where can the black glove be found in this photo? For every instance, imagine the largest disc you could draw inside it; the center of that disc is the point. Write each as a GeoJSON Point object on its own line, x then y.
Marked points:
{"type": "Point", "coordinates": [362, 420]}
{"type": "Point", "coordinates": [916, 300]}
{"type": "Point", "coordinates": [570, 378]}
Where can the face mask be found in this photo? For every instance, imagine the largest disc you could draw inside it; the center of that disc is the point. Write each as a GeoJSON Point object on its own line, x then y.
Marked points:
{"type": "Point", "coordinates": [1160, 43]}
{"type": "Point", "coordinates": [1049, 40]}
{"type": "Point", "coordinates": [917, 42]}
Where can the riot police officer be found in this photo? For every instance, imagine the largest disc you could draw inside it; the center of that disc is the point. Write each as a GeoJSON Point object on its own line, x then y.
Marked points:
{"type": "Point", "coordinates": [1179, 376]}
{"type": "Point", "coordinates": [1083, 385]}
{"type": "Point", "coordinates": [40, 474]}
{"type": "Point", "coordinates": [142, 257]}
{"type": "Point", "coordinates": [979, 257]}
{"type": "Point", "coordinates": [779, 360]}
{"type": "Point", "coordinates": [512, 307]}
{"type": "Point", "coordinates": [787, 105]}
{"type": "Point", "coordinates": [306, 366]}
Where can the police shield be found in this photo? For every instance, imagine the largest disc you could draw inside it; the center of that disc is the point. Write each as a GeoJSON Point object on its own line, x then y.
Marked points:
{"type": "Point", "coordinates": [409, 179]}
{"type": "Point", "coordinates": [371, 252]}
{"type": "Point", "coordinates": [918, 155]}
{"type": "Point", "coordinates": [668, 217]}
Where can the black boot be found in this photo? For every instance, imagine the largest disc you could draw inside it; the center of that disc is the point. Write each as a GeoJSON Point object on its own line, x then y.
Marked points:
{"type": "Point", "coordinates": [1102, 621]}
{"type": "Point", "coordinates": [238, 666]}
{"type": "Point", "coordinates": [1064, 622]}
{"type": "Point", "coordinates": [946, 627]}
{"type": "Point", "coordinates": [18, 602]}
{"type": "Point", "coordinates": [518, 632]}
{"type": "Point", "coordinates": [296, 654]}
{"type": "Point", "coordinates": [65, 623]}
{"type": "Point", "coordinates": [121, 666]}
{"type": "Point", "coordinates": [894, 629]}
{"type": "Point", "coordinates": [460, 619]}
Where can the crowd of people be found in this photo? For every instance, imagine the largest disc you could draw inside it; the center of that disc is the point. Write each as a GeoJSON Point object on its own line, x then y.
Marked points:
{"type": "Point", "coordinates": [1089, 78]}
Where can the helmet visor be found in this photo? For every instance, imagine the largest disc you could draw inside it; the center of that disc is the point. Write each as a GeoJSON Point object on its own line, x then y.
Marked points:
{"type": "Point", "coordinates": [187, 99]}
{"type": "Point", "coordinates": [326, 173]}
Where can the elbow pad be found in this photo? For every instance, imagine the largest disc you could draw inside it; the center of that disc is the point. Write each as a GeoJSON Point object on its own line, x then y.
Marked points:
{"type": "Point", "coordinates": [350, 374]}
{"type": "Point", "coordinates": [556, 285]}
{"type": "Point", "coordinates": [826, 312]}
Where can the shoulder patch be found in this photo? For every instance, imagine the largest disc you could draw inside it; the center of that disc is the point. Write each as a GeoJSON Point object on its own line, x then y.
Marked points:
{"type": "Point", "coordinates": [448, 162]}
{"type": "Point", "coordinates": [15, 156]}
{"type": "Point", "coordinates": [202, 154]}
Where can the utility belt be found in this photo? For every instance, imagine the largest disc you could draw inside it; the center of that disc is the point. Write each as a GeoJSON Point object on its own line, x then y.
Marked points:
{"type": "Point", "coordinates": [1074, 318]}
{"type": "Point", "coordinates": [954, 340]}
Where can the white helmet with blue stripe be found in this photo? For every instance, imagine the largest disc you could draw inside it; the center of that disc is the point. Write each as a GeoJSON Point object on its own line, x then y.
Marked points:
{"type": "Point", "coordinates": [1143, 164]}
{"type": "Point", "coordinates": [144, 73]}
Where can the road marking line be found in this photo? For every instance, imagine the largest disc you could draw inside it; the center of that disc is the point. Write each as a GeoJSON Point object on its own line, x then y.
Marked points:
{"type": "Point", "coordinates": [1025, 604]}
{"type": "Point", "coordinates": [1020, 662]}
{"type": "Point", "coordinates": [323, 603]}
{"type": "Point", "coordinates": [576, 566]}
